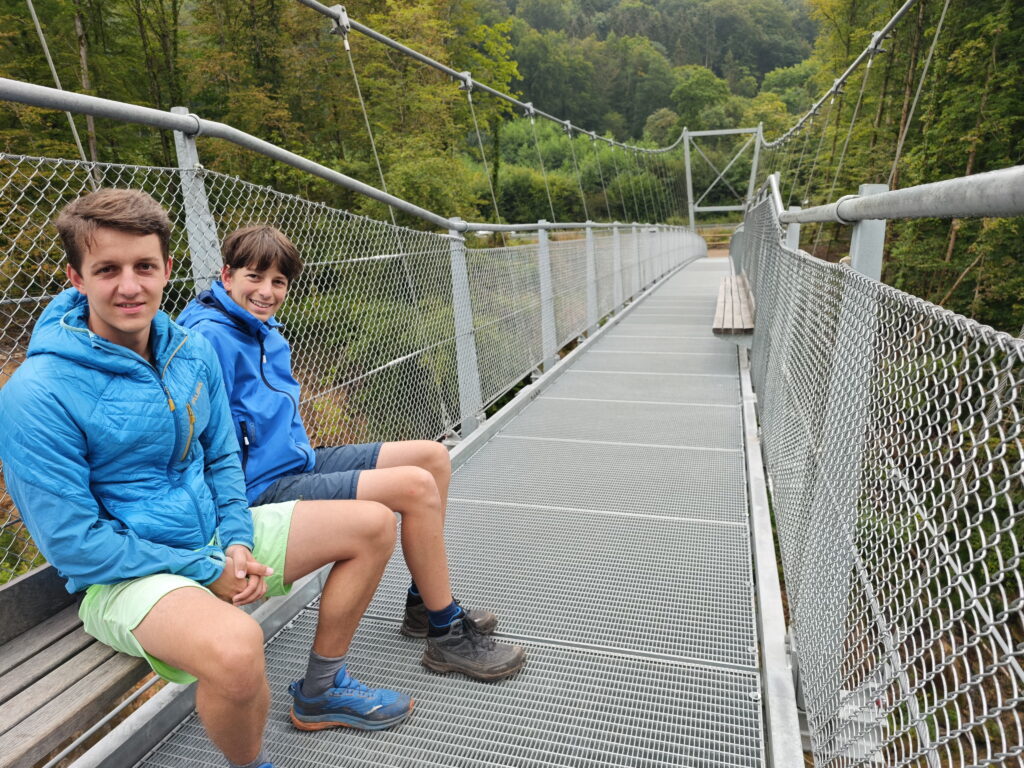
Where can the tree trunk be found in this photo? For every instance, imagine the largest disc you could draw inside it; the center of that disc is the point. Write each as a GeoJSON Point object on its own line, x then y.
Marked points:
{"type": "Point", "coordinates": [83, 56]}
{"type": "Point", "coordinates": [972, 154]}
{"type": "Point", "coordinates": [908, 84]}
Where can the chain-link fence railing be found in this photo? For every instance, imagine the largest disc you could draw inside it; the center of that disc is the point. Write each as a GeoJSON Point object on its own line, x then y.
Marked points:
{"type": "Point", "coordinates": [892, 434]}
{"type": "Point", "coordinates": [396, 333]}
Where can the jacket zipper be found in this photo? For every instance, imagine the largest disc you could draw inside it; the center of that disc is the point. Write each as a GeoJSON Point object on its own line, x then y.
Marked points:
{"type": "Point", "coordinates": [245, 443]}
{"type": "Point", "coordinates": [263, 375]}
{"type": "Point", "coordinates": [191, 429]}
{"type": "Point", "coordinates": [170, 400]}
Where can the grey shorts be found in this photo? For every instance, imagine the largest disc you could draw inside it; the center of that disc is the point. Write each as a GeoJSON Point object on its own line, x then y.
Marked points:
{"type": "Point", "coordinates": [335, 475]}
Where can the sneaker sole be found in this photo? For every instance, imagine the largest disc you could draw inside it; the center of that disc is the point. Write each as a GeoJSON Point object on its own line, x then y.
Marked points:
{"type": "Point", "coordinates": [345, 721]}
{"type": "Point", "coordinates": [439, 665]}
{"type": "Point", "coordinates": [484, 628]}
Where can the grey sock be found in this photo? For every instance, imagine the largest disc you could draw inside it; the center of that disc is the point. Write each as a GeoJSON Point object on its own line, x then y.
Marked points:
{"type": "Point", "coordinates": [261, 759]}
{"type": "Point", "coordinates": [320, 673]}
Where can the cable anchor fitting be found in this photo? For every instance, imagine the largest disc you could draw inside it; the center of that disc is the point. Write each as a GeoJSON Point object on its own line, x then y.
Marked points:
{"type": "Point", "coordinates": [466, 82]}
{"type": "Point", "coordinates": [528, 110]}
{"type": "Point", "coordinates": [341, 25]}
{"type": "Point", "coordinates": [877, 39]}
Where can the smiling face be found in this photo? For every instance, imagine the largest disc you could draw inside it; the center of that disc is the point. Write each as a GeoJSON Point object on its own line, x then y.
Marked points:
{"type": "Point", "coordinates": [258, 292]}
{"type": "Point", "coordinates": [123, 275]}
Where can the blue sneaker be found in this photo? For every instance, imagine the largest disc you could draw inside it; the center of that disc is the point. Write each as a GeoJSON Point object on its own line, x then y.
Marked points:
{"type": "Point", "coordinates": [350, 704]}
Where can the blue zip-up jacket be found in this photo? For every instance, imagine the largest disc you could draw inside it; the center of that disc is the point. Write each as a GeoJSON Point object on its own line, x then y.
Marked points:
{"type": "Point", "coordinates": [264, 396]}
{"type": "Point", "coordinates": [122, 468]}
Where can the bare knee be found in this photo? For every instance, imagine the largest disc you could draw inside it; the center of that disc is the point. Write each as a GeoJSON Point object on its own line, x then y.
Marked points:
{"type": "Point", "coordinates": [436, 459]}
{"type": "Point", "coordinates": [418, 491]}
{"type": "Point", "coordinates": [379, 526]}
{"type": "Point", "coordinates": [236, 666]}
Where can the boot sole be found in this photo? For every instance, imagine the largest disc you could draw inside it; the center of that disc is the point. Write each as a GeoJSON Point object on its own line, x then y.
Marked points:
{"type": "Point", "coordinates": [357, 723]}
{"type": "Point", "coordinates": [439, 665]}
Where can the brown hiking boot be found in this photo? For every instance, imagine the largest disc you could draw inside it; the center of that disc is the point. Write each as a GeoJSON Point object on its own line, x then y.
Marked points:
{"type": "Point", "coordinates": [462, 648]}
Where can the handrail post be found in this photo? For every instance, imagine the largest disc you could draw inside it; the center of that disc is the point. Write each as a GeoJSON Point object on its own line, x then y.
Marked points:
{"type": "Point", "coordinates": [617, 298]}
{"type": "Point", "coordinates": [637, 286]}
{"type": "Point", "coordinates": [549, 337]}
{"type": "Point", "coordinates": [793, 231]}
{"type": "Point", "coordinates": [470, 400]}
{"type": "Point", "coordinates": [203, 242]}
{"type": "Point", "coordinates": [868, 239]}
{"type": "Point", "coordinates": [689, 177]}
{"type": "Point", "coordinates": [592, 311]}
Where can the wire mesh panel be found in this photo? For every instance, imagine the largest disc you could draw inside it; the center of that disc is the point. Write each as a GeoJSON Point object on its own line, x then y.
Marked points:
{"type": "Point", "coordinates": [370, 320]}
{"type": "Point", "coordinates": [893, 433]}
{"type": "Point", "coordinates": [604, 260]}
{"type": "Point", "coordinates": [569, 286]}
{"type": "Point", "coordinates": [505, 294]}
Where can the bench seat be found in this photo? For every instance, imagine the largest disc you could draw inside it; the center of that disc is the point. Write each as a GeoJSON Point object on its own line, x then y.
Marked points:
{"type": "Point", "coordinates": [734, 312]}
{"type": "Point", "coordinates": [55, 682]}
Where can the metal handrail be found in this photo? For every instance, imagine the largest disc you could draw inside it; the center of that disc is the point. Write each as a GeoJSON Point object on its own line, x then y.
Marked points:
{"type": "Point", "coordinates": [193, 125]}
{"type": "Point", "coordinates": [995, 193]}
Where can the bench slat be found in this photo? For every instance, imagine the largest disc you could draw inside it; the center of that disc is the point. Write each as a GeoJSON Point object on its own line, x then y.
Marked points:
{"type": "Point", "coordinates": [52, 685]}
{"type": "Point", "coordinates": [39, 637]}
{"type": "Point", "coordinates": [35, 668]}
{"type": "Point", "coordinates": [719, 321]}
{"type": "Point", "coordinates": [74, 710]}
{"type": "Point", "coordinates": [734, 312]}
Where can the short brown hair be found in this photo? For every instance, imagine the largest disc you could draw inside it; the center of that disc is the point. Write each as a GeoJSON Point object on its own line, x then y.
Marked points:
{"type": "Point", "coordinates": [260, 247]}
{"type": "Point", "coordinates": [127, 210]}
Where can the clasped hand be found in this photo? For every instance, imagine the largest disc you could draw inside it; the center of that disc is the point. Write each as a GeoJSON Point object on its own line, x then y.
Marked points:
{"type": "Point", "coordinates": [243, 579]}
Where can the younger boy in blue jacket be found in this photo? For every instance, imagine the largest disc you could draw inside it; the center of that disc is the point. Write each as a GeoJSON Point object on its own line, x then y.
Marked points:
{"type": "Point", "coordinates": [237, 316]}
{"type": "Point", "coordinates": [118, 448]}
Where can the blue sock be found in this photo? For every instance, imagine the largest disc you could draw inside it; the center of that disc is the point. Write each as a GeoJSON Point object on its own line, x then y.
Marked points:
{"type": "Point", "coordinates": [261, 760]}
{"type": "Point", "coordinates": [445, 616]}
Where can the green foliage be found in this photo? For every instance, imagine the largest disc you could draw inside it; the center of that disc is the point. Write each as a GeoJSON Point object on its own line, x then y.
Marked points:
{"type": "Point", "coordinates": [968, 120]}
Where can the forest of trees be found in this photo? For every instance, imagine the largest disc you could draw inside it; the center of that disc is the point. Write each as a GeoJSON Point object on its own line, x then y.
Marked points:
{"type": "Point", "coordinates": [634, 70]}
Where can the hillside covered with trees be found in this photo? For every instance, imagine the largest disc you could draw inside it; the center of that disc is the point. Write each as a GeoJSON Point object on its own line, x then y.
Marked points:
{"type": "Point", "coordinates": [634, 70]}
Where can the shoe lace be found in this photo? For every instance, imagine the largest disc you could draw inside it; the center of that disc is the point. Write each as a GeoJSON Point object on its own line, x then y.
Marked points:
{"type": "Point", "coordinates": [474, 635]}
{"type": "Point", "coordinates": [350, 683]}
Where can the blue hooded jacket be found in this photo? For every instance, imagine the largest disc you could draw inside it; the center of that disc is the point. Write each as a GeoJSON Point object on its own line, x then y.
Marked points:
{"type": "Point", "coordinates": [121, 468]}
{"type": "Point", "coordinates": [264, 396]}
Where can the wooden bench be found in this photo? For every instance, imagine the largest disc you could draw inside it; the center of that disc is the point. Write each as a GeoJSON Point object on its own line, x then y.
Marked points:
{"type": "Point", "coordinates": [734, 312]}
{"type": "Point", "coordinates": [55, 680]}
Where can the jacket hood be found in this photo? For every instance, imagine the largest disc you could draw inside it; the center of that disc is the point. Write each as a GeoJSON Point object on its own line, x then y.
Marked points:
{"type": "Point", "coordinates": [63, 330]}
{"type": "Point", "coordinates": [217, 306]}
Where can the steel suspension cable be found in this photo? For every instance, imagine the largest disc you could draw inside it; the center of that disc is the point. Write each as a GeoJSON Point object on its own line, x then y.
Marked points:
{"type": "Point", "coordinates": [56, 80]}
{"type": "Point", "coordinates": [817, 152]}
{"type": "Point", "coordinates": [917, 95]}
{"type": "Point", "coordinates": [846, 143]}
{"type": "Point", "coordinates": [800, 164]}
{"type": "Point", "coordinates": [483, 158]}
{"type": "Point", "coordinates": [649, 176]}
{"type": "Point", "coordinates": [638, 180]}
{"type": "Point", "coordinates": [543, 172]}
{"type": "Point", "coordinates": [622, 195]}
{"type": "Point", "coordinates": [579, 178]}
{"type": "Point", "coordinates": [366, 122]}
{"type": "Point", "coordinates": [398, 231]}
{"type": "Point", "coordinates": [600, 171]}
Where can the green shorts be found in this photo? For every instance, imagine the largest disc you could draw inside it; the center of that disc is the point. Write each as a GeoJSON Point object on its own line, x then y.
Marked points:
{"type": "Point", "coordinates": [111, 611]}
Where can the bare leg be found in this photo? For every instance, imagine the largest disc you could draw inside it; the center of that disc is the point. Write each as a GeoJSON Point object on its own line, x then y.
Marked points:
{"type": "Point", "coordinates": [412, 492]}
{"type": "Point", "coordinates": [358, 537]}
{"type": "Point", "coordinates": [426, 454]}
{"type": "Point", "coordinates": [223, 647]}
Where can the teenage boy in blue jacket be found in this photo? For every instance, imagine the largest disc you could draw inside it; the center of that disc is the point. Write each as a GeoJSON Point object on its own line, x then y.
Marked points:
{"type": "Point", "coordinates": [237, 316]}
{"type": "Point", "coordinates": [118, 449]}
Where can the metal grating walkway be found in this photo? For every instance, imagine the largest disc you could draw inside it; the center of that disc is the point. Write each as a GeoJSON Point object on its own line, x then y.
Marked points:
{"type": "Point", "coordinates": [607, 527]}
